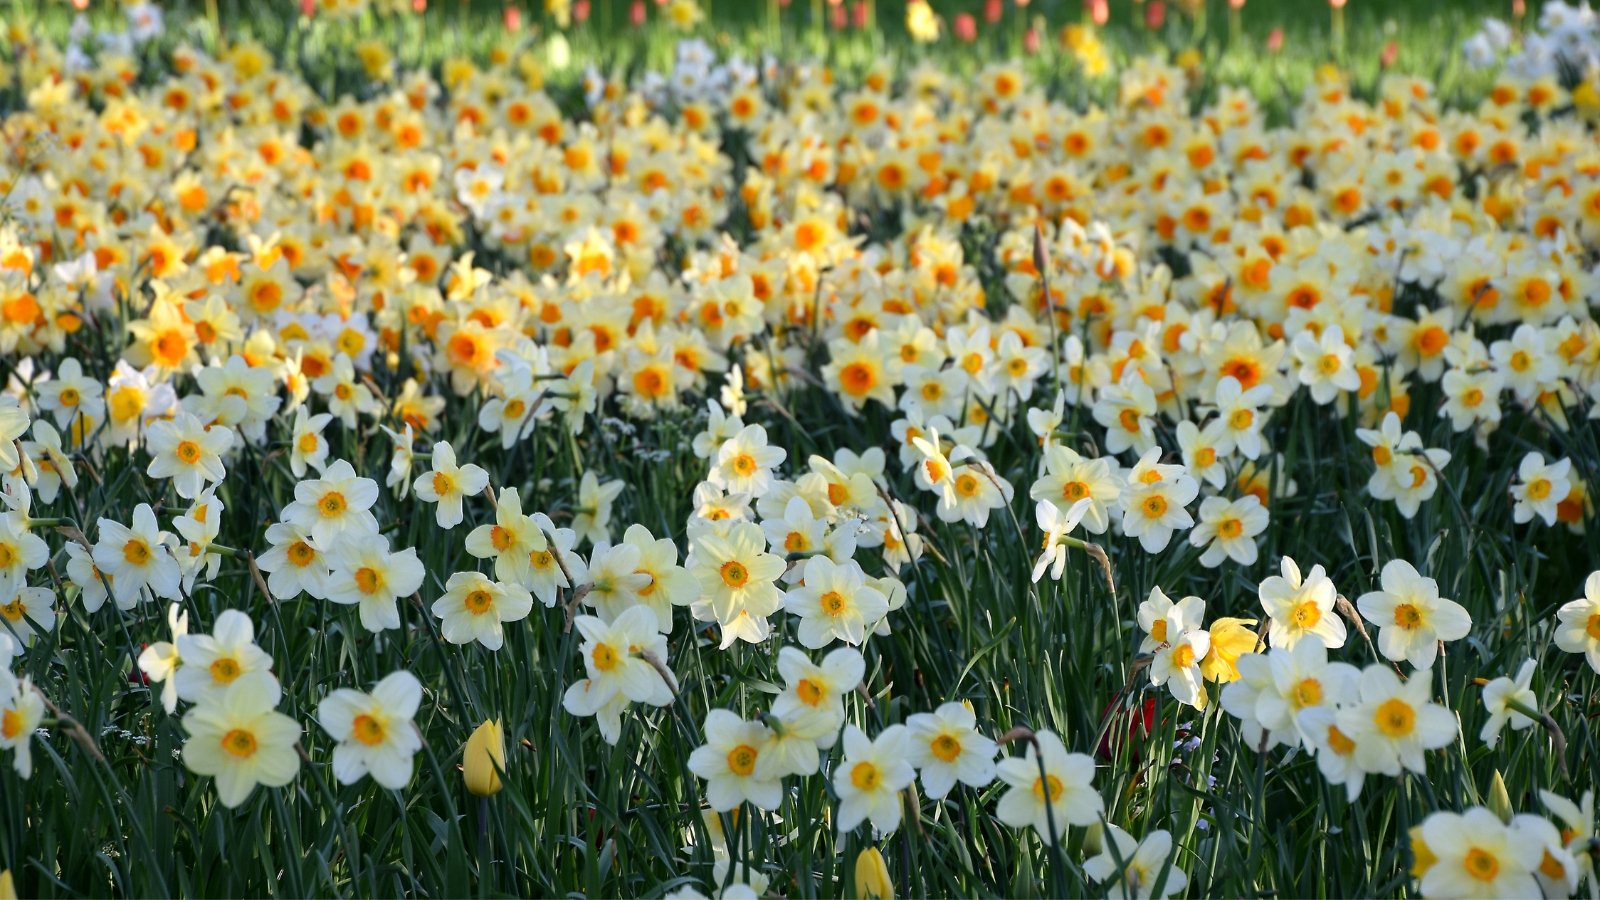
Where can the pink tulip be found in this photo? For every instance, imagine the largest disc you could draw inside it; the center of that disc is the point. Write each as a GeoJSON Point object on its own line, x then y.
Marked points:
{"type": "Point", "coordinates": [513, 19]}
{"type": "Point", "coordinates": [965, 28]}
{"type": "Point", "coordinates": [1030, 41]}
{"type": "Point", "coordinates": [1391, 52]}
{"type": "Point", "coordinates": [580, 11]}
{"type": "Point", "coordinates": [992, 10]}
{"type": "Point", "coordinates": [419, 6]}
{"type": "Point", "coordinates": [1275, 40]}
{"type": "Point", "coordinates": [858, 14]}
{"type": "Point", "coordinates": [1099, 12]}
{"type": "Point", "coordinates": [636, 14]}
{"type": "Point", "coordinates": [308, 8]}
{"type": "Point", "coordinates": [838, 17]}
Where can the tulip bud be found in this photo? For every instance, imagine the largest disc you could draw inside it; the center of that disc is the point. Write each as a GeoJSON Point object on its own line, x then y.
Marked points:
{"type": "Point", "coordinates": [1499, 799]}
{"type": "Point", "coordinates": [8, 888]}
{"type": "Point", "coordinates": [484, 759]}
{"type": "Point", "coordinates": [872, 876]}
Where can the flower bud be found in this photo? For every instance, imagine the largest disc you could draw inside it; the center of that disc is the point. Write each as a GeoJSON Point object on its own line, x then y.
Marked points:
{"type": "Point", "coordinates": [484, 758]}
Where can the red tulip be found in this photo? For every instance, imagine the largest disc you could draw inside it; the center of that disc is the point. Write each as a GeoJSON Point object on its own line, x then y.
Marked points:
{"type": "Point", "coordinates": [1030, 41]}
{"type": "Point", "coordinates": [992, 10]}
{"type": "Point", "coordinates": [1138, 726]}
{"type": "Point", "coordinates": [1099, 12]}
{"type": "Point", "coordinates": [965, 28]}
{"type": "Point", "coordinates": [419, 6]}
{"type": "Point", "coordinates": [1236, 4]}
{"type": "Point", "coordinates": [636, 14]}
{"type": "Point", "coordinates": [858, 14]}
{"type": "Point", "coordinates": [838, 17]}
{"type": "Point", "coordinates": [1275, 40]}
{"type": "Point", "coordinates": [1336, 4]}
{"type": "Point", "coordinates": [308, 8]}
{"type": "Point", "coordinates": [580, 11]}
{"type": "Point", "coordinates": [1155, 14]}
{"type": "Point", "coordinates": [1391, 52]}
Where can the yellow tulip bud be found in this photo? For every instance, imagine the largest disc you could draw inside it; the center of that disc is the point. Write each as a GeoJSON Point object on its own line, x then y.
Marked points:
{"type": "Point", "coordinates": [872, 876]}
{"type": "Point", "coordinates": [1230, 639]}
{"type": "Point", "coordinates": [8, 888]}
{"type": "Point", "coordinates": [1499, 799]}
{"type": "Point", "coordinates": [484, 758]}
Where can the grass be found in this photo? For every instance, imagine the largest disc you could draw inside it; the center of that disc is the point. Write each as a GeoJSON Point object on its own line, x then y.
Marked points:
{"type": "Point", "coordinates": [111, 809]}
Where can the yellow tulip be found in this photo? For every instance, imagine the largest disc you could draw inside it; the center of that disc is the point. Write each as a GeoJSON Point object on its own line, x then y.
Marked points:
{"type": "Point", "coordinates": [872, 876]}
{"type": "Point", "coordinates": [484, 758]}
{"type": "Point", "coordinates": [1230, 639]}
{"type": "Point", "coordinates": [8, 888]}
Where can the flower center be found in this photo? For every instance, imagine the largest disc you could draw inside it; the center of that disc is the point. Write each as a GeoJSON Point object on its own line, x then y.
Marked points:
{"type": "Point", "coordinates": [744, 465]}
{"type": "Point", "coordinates": [1339, 742]}
{"type": "Point", "coordinates": [1481, 864]}
{"type": "Point", "coordinates": [796, 543]}
{"type": "Point", "coordinates": [1307, 693]}
{"type": "Point", "coordinates": [1074, 491]}
{"type": "Point", "coordinates": [1050, 786]}
{"type": "Point", "coordinates": [301, 554]}
{"type": "Point", "coordinates": [734, 574]}
{"type": "Point", "coordinates": [865, 776]}
{"type": "Point", "coordinates": [239, 743]}
{"type": "Point", "coordinates": [1407, 616]}
{"type": "Point", "coordinates": [967, 484]}
{"type": "Point", "coordinates": [1182, 656]}
{"type": "Point", "coordinates": [443, 484]}
{"type": "Point", "coordinates": [367, 730]}
{"type": "Point", "coordinates": [13, 610]}
{"type": "Point", "coordinates": [832, 603]}
{"type": "Point", "coordinates": [1395, 718]}
{"type": "Point", "coordinates": [368, 580]}
{"type": "Point", "coordinates": [1538, 489]}
{"type": "Point", "coordinates": [1229, 529]}
{"type": "Point", "coordinates": [478, 602]}
{"type": "Point", "coordinates": [1241, 419]}
{"type": "Point", "coordinates": [946, 748]}
{"type": "Point", "coordinates": [742, 759]}
{"type": "Point", "coordinates": [809, 692]}
{"type": "Point", "coordinates": [1593, 628]}
{"type": "Point", "coordinates": [136, 552]}
{"type": "Point", "coordinates": [224, 670]}
{"type": "Point", "coordinates": [499, 538]}
{"type": "Point", "coordinates": [1155, 507]}
{"type": "Point", "coordinates": [332, 504]}
{"type": "Point", "coordinates": [1307, 614]}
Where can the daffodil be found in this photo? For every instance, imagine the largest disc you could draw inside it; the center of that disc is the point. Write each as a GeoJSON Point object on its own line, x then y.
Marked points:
{"type": "Point", "coordinates": [374, 731]}
{"type": "Point", "coordinates": [1411, 616]}
{"type": "Point", "coordinates": [209, 663]}
{"type": "Point", "coordinates": [870, 777]}
{"type": "Point", "coordinates": [1049, 789]}
{"type": "Point", "coordinates": [447, 483]}
{"type": "Point", "coordinates": [238, 737]}
{"type": "Point", "coordinates": [945, 747]}
{"type": "Point", "coordinates": [474, 608]}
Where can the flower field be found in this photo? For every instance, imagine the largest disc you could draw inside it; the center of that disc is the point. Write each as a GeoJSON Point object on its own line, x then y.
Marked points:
{"type": "Point", "coordinates": [924, 449]}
